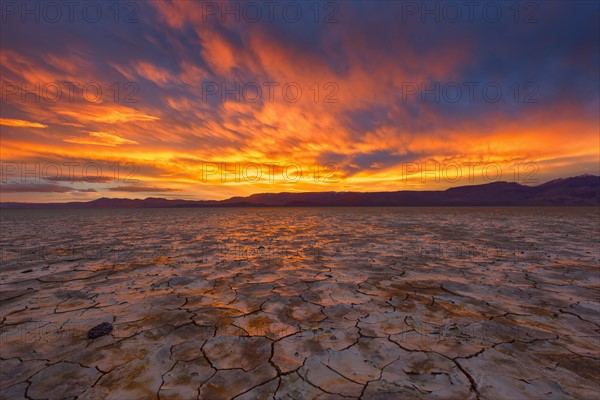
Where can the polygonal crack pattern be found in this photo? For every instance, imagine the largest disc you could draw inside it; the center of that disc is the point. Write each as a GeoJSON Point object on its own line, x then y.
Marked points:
{"type": "Point", "coordinates": [400, 323]}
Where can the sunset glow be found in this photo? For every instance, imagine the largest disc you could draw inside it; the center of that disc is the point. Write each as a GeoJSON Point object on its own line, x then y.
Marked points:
{"type": "Point", "coordinates": [187, 101]}
{"type": "Point", "coordinates": [239, 200]}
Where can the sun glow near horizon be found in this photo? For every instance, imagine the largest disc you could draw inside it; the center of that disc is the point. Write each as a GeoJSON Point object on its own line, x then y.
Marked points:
{"type": "Point", "coordinates": [313, 106]}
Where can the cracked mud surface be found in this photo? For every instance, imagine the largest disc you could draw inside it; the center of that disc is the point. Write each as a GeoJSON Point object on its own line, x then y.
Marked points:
{"type": "Point", "coordinates": [301, 304]}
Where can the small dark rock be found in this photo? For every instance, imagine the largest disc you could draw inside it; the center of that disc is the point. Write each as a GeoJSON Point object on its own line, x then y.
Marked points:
{"type": "Point", "coordinates": [27, 271]}
{"type": "Point", "coordinates": [100, 330]}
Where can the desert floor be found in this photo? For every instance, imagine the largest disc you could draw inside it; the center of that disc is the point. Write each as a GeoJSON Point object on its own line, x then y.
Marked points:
{"type": "Point", "coordinates": [493, 303]}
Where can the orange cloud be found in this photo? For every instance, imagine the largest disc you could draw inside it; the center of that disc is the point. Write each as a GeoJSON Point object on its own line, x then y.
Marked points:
{"type": "Point", "coordinates": [108, 116]}
{"type": "Point", "coordinates": [368, 132]}
{"type": "Point", "coordinates": [102, 139]}
{"type": "Point", "coordinates": [20, 123]}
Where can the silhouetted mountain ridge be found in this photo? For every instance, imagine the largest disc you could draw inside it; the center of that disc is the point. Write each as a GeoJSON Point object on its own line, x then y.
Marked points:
{"type": "Point", "coordinates": [576, 191]}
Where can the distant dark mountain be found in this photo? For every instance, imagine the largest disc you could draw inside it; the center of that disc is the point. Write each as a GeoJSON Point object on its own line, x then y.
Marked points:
{"type": "Point", "coordinates": [578, 191]}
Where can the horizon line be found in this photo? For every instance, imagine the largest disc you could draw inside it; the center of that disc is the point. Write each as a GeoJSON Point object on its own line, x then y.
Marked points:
{"type": "Point", "coordinates": [223, 201]}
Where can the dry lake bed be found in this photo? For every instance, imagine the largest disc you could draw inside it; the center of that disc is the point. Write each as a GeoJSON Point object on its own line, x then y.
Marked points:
{"type": "Point", "coordinates": [293, 303]}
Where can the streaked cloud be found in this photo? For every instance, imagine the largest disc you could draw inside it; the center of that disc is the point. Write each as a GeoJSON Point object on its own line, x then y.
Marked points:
{"type": "Point", "coordinates": [40, 188]}
{"type": "Point", "coordinates": [101, 139]}
{"type": "Point", "coordinates": [154, 110]}
{"type": "Point", "coordinates": [20, 123]}
{"type": "Point", "coordinates": [134, 189]}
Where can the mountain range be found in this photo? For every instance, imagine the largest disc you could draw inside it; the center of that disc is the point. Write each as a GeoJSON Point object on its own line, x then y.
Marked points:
{"type": "Point", "coordinates": [581, 190]}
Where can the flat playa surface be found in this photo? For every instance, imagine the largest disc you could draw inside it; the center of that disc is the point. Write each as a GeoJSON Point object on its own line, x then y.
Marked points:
{"type": "Point", "coordinates": [314, 303]}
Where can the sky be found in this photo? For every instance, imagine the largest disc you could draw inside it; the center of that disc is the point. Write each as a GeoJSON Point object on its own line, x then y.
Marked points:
{"type": "Point", "coordinates": [209, 100]}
